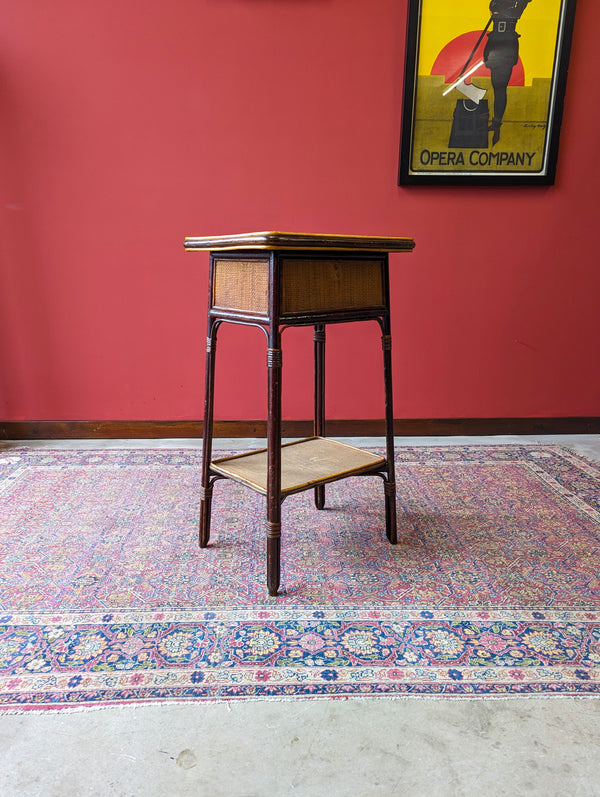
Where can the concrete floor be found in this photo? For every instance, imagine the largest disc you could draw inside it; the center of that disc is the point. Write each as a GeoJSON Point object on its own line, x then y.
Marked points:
{"type": "Point", "coordinates": [376, 746]}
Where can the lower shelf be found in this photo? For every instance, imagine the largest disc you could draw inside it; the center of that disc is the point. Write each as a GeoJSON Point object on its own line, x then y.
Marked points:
{"type": "Point", "coordinates": [304, 464]}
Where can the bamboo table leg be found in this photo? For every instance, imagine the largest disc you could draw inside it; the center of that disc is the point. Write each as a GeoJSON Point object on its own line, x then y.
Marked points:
{"type": "Point", "coordinates": [319, 421]}
{"type": "Point", "coordinates": [274, 363]}
{"type": "Point", "coordinates": [206, 486]}
{"type": "Point", "coordinates": [390, 484]}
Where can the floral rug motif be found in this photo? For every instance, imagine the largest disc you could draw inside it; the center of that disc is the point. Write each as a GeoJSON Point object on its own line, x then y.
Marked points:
{"type": "Point", "coordinates": [105, 598]}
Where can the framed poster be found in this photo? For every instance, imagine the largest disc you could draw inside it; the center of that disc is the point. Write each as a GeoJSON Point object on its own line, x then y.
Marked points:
{"type": "Point", "coordinates": [483, 90]}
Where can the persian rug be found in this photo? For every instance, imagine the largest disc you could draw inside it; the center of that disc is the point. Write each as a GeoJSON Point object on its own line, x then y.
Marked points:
{"type": "Point", "coordinates": [105, 598]}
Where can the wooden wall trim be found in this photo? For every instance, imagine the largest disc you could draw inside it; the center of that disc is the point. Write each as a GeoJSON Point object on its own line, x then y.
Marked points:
{"type": "Point", "coordinates": [420, 427]}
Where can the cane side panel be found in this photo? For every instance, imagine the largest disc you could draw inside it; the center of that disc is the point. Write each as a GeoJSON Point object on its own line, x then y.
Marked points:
{"type": "Point", "coordinates": [329, 285]}
{"type": "Point", "coordinates": [241, 285]}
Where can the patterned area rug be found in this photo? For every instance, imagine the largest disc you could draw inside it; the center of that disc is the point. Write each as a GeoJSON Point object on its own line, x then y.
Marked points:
{"type": "Point", "coordinates": [105, 598]}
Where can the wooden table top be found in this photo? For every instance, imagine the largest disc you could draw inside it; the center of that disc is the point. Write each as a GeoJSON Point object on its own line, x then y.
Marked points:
{"type": "Point", "coordinates": [299, 241]}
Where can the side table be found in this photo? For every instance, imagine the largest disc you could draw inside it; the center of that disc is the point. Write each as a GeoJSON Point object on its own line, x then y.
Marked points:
{"type": "Point", "coordinates": [275, 280]}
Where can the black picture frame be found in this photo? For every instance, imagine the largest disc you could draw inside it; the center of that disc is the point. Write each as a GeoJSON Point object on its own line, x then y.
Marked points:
{"type": "Point", "coordinates": [454, 130]}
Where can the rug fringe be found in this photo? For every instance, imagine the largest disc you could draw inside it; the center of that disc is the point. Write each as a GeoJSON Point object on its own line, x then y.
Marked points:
{"type": "Point", "coordinates": [228, 701]}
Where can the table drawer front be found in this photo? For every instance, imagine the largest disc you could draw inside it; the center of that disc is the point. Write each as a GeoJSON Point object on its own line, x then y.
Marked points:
{"type": "Point", "coordinates": [241, 285]}
{"type": "Point", "coordinates": [328, 285]}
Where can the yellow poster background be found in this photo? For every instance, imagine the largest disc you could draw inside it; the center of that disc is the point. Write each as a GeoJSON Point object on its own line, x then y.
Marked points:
{"type": "Point", "coordinates": [523, 132]}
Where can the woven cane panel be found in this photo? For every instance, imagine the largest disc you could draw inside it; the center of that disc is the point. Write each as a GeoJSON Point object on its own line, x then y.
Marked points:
{"type": "Point", "coordinates": [241, 285]}
{"type": "Point", "coordinates": [324, 285]}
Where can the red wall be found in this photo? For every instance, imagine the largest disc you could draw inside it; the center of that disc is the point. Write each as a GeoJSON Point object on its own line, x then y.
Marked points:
{"type": "Point", "coordinates": [125, 126]}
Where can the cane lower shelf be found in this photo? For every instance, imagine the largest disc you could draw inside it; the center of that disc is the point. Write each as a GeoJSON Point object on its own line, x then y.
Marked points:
{"type": "Point", "coordinates": [304, 464]}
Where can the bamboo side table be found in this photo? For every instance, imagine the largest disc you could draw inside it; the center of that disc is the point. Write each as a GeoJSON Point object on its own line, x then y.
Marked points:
{"type": "Point", "coordinates": [275, 280]}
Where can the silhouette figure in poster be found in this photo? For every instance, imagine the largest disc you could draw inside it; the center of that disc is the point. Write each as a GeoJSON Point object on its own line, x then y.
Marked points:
{"type": "Point", "coordinates": [501, 53]}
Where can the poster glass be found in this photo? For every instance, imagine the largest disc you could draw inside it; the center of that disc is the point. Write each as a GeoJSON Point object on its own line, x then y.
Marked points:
{"type": "Point", "coordinates": [484, 90]}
